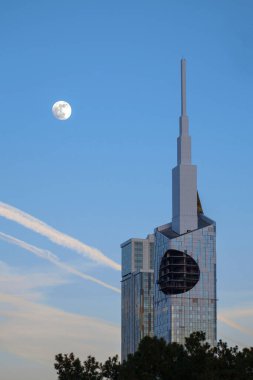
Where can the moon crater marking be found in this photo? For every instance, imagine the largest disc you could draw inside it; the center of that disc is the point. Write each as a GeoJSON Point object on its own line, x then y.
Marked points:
{"type": "Point", "coordinates": [61, 110]}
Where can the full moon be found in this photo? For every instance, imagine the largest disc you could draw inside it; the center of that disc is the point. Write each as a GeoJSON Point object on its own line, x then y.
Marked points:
{"type": "Point", "coordinates": [61, 110]}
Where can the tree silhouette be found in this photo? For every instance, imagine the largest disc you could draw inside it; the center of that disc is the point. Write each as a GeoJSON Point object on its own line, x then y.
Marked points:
{"type": "Point", "coordinates": [157, 360]}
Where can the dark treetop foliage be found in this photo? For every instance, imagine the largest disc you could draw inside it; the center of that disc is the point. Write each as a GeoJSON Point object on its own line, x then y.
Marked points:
{"type": "Point", "coordinates": [70, 368]}
{"type": "Point", "coordinates": [157, 360]}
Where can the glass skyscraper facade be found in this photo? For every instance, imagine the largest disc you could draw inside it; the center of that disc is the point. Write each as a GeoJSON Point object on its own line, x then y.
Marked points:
{"type": "Point", "coordinates": [176, 316]}
{"type": "Point", "coordinates": [169, 279]}
{"type": "Point", "coordinates": [137, 291]}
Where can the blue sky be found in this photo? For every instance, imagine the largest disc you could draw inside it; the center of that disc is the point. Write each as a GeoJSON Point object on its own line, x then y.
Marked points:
{"type": "Point", "coordinates": [105, 174]}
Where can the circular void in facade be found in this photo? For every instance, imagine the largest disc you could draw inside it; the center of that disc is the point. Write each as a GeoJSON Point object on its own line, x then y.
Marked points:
{"type": "Point", "coordinates": [178, 272]}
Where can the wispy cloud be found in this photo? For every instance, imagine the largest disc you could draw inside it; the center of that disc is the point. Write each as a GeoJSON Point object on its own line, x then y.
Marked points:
{"type": "Point", "coordinates": [239, 319]}
{"type": "Point", "coordinates": [38, 332]}
{"type": "Point", "coordinates": [239, 312]}
{"type": "Point", "coordinates": [54, 235]}
{"type": "Point", "coordinates": [235, 325]}
{"type": "Point", "coordinates": [17, 282]}
{"type": "Point", "coordinates": [49, 256]}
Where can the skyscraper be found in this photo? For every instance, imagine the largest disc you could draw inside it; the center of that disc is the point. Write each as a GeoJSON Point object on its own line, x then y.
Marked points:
{"type": "Point", "coordinates": [137, 291]}
{"type": "Point", "coordinates": [184, 256]}
{"type": "Point", "coordinates": [185, 252]}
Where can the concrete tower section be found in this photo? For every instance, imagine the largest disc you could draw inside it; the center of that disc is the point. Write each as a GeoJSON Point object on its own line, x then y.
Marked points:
{"type": "Point", "coordinates": [185, 253]}
{"type": "Point", "coordinates": [184, 175]}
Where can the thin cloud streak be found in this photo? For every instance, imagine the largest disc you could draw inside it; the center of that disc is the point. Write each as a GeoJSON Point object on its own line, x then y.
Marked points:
{"type": "Point", "coordinates": [49, 256]}
{"type": "Point", "coordinates": [55, 236]}
{"type": "Point", "coordinates": [235, 325]}
{"type": "Point", "coordinates": [37, 332]}
{"type": "Point", "coordinates": [17, 282]}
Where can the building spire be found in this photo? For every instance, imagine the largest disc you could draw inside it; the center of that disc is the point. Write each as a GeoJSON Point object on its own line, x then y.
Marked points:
{"type": "Point", "coordinates": [184, 175]}
{"type": "Point", "coordinates": [183, 87]}
{"type": "Point", "coordinates": [184, 140]}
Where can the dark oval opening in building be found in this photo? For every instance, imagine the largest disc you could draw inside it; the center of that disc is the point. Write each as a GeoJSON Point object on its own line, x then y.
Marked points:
{"type": "Point", "coordinates": [178, 272]}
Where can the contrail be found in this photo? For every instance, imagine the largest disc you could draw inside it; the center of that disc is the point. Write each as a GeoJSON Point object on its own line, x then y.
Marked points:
{"type": "Point", "coordinates": [235, 325]}
{"type": "Point", "coordinates": [49, 256]}
{"type": "Point", "coordinates": [54, 235]}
